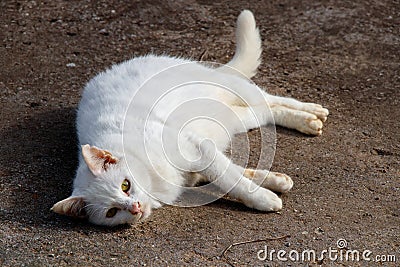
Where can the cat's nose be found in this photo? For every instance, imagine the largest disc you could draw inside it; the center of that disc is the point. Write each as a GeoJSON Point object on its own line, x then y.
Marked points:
{"type": "Point", "coordinates": [135, 208]}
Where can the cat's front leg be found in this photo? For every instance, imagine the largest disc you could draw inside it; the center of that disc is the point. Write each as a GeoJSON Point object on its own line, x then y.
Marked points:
{"type": "Point", "coordinates": [220, 170]}
{"type": "Point", "coordinates": [256, 197]}
{"type": "Point", "coordinates": [274, 181]}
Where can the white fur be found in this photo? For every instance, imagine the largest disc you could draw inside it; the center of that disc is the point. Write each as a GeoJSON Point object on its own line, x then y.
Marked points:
{"type": "Point", "coordinates": [247, 57]}
{"type": "Point", "coordinates": [117, 114]}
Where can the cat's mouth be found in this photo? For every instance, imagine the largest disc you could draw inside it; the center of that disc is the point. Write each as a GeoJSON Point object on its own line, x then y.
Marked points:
{"type": "Point", "coordinates": [136, 208]}
{"type": "Point", "coordinates": [144, 213]}
{"type": "Point", "coordinates": [137, 212]}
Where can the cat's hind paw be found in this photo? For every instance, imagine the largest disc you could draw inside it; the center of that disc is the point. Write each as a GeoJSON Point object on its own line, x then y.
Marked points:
{"type": "Point", "coordinates": [316, 109]}
{"type": "Point", "coordinates": [312, 125]}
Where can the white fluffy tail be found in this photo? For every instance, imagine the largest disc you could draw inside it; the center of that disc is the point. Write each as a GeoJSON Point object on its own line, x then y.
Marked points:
{"type": "Point", "coordinates": [248, 46]}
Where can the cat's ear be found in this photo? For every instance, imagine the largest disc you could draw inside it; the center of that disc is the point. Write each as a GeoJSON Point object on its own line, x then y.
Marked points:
{"type": "Point", "coordinates": [72, 206]}
{"type": "Point", "coordinates": [98, 160]}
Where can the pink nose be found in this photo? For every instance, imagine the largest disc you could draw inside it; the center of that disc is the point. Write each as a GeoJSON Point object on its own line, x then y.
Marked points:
{"type": "Point", "coordinates": [135, 208]}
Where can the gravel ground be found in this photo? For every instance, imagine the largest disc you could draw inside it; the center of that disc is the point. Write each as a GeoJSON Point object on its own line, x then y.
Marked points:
{"type": "Point", "coordinates": [342, 54]}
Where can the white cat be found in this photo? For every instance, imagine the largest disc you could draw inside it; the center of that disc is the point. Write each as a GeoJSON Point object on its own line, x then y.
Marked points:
{"type": "Point", "coordinates": [141, 148]}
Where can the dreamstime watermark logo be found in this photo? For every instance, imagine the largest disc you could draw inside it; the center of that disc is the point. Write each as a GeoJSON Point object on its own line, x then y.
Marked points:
{"type": "Point", "coordinates": [340, 253]}
{"type": "Point", "coordinates": [183, 118]}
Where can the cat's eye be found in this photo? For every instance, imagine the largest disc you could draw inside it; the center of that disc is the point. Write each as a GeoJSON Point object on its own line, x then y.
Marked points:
{"type": "Point", "coordinates": [126, 185]}
{"type": "Point", "coordinates": [111, 212]}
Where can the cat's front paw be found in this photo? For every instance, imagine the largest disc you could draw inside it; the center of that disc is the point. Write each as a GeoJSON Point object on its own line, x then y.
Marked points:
{"type": "Point", "coordinates": [279, 182]}
{"type": "Point", "coordinates": [274, 181]}
{"type": "Point", "coordinates": [264, 200]}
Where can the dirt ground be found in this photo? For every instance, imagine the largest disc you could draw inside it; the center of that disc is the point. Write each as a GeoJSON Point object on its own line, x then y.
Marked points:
{"type": "Point", "coordinates": [342, 54]}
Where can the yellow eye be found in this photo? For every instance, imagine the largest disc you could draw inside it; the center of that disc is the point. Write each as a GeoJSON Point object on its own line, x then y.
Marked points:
{"type": "Point", "coordinates": [126, 185]}
{"type": "Point", "coordinates": [111, 212]}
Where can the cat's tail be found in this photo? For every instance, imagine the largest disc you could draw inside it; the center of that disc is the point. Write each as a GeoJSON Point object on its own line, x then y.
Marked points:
{"type": "Point", "coordinates": [248, 46]}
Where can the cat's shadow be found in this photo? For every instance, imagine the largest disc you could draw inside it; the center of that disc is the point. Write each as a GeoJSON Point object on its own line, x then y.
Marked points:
{"type": "Point", "coordinates": [38, 162]}
{"type": "Point", "coordinates": [291, 133]}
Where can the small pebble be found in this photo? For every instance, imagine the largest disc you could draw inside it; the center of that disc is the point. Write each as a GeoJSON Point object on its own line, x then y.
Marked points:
{"type": "Point", "coordinates": [319, 231]}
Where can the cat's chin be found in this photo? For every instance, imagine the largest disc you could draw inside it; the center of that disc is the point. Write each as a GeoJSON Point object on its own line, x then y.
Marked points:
{"type": "Point", "coordinates": [144, 215]}
{"type": "Point", "coordinates": [138, 218]}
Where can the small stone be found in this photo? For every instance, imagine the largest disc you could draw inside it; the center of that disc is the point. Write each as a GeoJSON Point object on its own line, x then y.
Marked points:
{"type": "Point", "coordinates": [71, 65]}
{"type": "Point", "coordinates": [366, 133]}
{"type": "Point", "coordinates": [319, 231]}
{"type": "Point", "coordinates": [104, 32]}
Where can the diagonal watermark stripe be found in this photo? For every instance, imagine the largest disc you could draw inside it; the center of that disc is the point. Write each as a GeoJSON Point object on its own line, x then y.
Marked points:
{"type": "Point", "coordinates": [179, 111]}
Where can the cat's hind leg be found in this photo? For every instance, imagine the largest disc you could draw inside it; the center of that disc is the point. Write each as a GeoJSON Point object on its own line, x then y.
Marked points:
{"type": "Point", "coordinates": [300, 120]}
{"type": "Point", "coordinates": [250, 117]}
{"type": "Point", "coordinates": [316, 109]}
{"type": "Point", "coordinates": [256, 116]}
{"type": "Point", "coordinates": [307, 118]}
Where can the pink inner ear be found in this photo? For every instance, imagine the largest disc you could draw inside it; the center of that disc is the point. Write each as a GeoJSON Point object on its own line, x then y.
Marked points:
{"type": "Point", "coordinates": [97, 159]}
{"type": "Point", "coordinates": [108, 158]}
{"type": "Point", "coordinates": [72, 206]}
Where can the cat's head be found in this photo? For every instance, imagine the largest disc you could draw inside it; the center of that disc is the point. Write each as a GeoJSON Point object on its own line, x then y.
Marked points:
{"type": "Point", "coordinates": [105, 192]}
